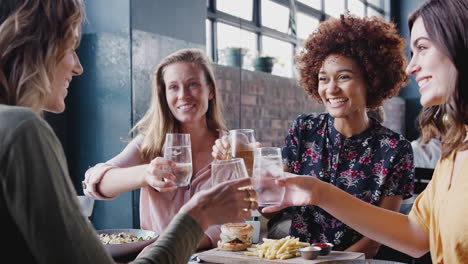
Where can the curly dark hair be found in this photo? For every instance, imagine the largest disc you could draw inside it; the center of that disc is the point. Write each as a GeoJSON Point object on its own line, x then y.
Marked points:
{"type": "Point", "coordinates": [374, 45]}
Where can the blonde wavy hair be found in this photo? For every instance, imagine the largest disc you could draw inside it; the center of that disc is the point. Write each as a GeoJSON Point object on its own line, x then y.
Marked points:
{"type": "Point", "coordinates": [159, 120]}
{"type": "Point", "coordinates": [34, 36]}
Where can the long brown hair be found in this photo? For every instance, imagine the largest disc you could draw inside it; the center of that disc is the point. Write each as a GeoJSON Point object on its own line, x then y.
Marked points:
{"type": "Point", "coordinates": [34, 35]}
{"type": "Point", "coordinates": [445, 21]}
{"type": "Point", "coordinates": [159, 120]}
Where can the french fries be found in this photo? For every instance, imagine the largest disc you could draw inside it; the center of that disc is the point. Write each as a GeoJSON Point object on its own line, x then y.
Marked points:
{"type": "Point", "coordinates": [283, 248]}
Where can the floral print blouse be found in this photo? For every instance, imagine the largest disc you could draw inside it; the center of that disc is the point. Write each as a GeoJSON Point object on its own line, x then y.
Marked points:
{"type": "Point", "coordinates": [376, 163]}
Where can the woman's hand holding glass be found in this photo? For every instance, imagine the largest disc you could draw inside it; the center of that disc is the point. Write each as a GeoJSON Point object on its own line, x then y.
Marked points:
{"type": "Point", "coordinates": [225, 170]}
{"type": "Point", "coordinates": [268, 167]}
{"type": "Point", "coordinates": [299, 191]}
{"type": "Point", "coordinates": [230, 201]}
{"type": "Point", "coordinates": [178, 149]}
{"type": "Point", "coordinates": [240, 143]}
{"type": "Point", "coordinates": [159, 177]}
{"type": "Point", "coordinates": [175, 169]}
{"type": "Point", "coordinates": [222, 148]}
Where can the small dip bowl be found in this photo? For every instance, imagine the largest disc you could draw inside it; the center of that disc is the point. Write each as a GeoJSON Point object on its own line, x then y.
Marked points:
{"type": "Point", "coordinates": [309, 252]}
{"type": "Point", "coordinates": [325, 248]}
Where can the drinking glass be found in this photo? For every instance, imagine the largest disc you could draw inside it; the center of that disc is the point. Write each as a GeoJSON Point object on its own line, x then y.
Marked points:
{"type": "Point", "coordinates": [225, 170]}
{"type": "Point", "coordinates": [177, 148]}
{"type": "Point", "coordinates": [242, 146]}
{"type": "Point", "coordinates": [268, 167]}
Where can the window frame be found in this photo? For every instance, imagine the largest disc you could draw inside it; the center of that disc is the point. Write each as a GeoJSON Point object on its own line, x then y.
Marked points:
{"type": "Point", "coordinates": [258, 29]}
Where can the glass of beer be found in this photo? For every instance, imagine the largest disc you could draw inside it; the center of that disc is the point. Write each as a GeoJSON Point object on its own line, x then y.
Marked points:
{"type": "Point", "coordinates": [226, 170]}
{"type": "Point", "coordinates": [177, 148]}
{"type": "Point", "coordinates": [268, 167]}
{"type": "Point", "coordinates": [242, 146]}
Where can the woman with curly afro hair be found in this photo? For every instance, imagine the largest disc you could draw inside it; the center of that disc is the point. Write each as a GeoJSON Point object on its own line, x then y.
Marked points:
{"type": "Point", "coordinates": [351, 65]}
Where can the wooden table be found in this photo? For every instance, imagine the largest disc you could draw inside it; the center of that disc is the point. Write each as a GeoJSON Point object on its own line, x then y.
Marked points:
{"type": "Point", "coordinates": [229, 257]}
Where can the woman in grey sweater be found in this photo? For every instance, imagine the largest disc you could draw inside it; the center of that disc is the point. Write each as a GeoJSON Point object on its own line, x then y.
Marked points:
{"type": "Point", "coordinates": [38, 204]}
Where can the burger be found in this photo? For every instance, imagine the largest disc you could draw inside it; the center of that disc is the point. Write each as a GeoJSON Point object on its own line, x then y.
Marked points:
{"type": "Point", "coordinates": [235, 236]}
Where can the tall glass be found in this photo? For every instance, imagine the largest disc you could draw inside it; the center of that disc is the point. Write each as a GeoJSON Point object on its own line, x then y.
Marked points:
{"type": "Point", "coordinates": [226, 170]}
{"type": "Point", "coordinates": [268, 167]}
{"type": "Point", "coordinates": [242, 146]}
{"type": "Point", "coordinates": [178, 149]}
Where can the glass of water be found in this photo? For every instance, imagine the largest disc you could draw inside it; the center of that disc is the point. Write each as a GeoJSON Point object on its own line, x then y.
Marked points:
{"type": "Point", "coordinates": [268, 167]}
{"type": "Point", "coordinates": [226, 170]}
{"type": "Point", "coordinates": [177, 148]}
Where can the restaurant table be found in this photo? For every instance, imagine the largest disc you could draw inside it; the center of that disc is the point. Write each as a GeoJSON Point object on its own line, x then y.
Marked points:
{"type": "Point", "coordinates": [238, 257]}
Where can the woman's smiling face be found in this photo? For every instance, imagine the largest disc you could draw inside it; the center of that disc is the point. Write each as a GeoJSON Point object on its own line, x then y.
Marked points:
{"type": "Point", "coordinates": [434, 72]}
{"type": "Point", "coordinates": [187, 91]}
{"type": "Point", "coordinates": [342, 87]}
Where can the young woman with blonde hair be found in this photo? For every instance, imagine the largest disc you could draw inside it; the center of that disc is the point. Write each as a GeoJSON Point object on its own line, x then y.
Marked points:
{"type": "Point", "coordinates": [185, 100]}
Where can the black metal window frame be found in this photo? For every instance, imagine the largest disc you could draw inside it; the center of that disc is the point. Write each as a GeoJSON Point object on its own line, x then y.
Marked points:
{"type": "Point", "coordinates": [255, 26]}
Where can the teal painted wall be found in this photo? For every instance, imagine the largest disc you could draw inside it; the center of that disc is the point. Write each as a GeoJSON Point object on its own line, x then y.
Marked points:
{"type": "Point", "coordinates": [99, 104]}
{"type": "Point", "coordinates": [114, 91]}
{"type": "Point", "coordinates": [401, 9]}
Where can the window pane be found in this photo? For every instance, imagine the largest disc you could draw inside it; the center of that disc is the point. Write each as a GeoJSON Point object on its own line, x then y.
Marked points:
{"type": "Point", "coordinates": [229, 36]}
{"type": "Point", "coordinates": [275, 16]}
{"type": "Point", "coordinates": [377, 3]}
{"type": "Point", "coordinates": [317, 4]}
{"type": "Point", "coordinates": [242, 10]}
{"type": "Point", "coordinates": [334, 7]}
{"type": "Point", "coordinates": [372, 12]}
{"type": "Point", "coordinates": [306, 25]}
{"type": "Point", "coordinates": [282, 51]}
{"type": "Point", "coordinates": [208, 38]}
{"type": "Point", "coordinates": [356, 7]}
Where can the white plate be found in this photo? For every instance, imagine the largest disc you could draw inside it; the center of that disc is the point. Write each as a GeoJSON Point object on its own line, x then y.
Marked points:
{"type": "Point", "coordinates": [120, 250]}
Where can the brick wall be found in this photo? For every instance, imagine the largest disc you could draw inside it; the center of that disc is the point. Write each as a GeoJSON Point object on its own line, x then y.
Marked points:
{"type": "Point", "coordinates": [264, 102]}
{"type": "Point", "coordinates": [269, 104]}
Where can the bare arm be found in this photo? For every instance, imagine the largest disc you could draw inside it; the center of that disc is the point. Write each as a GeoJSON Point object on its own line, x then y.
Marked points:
{"type": "Point", "coordinates": [368, 246]}
{"type": "Point", "coordinates": [126, 172]}
{"type": "Point", "coordinates": [387, 227]}
{"type": "Point", "coordinates": [120, 180]}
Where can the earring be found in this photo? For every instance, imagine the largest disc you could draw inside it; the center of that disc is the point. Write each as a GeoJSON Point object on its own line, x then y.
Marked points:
{"type": "Point", "coordinates": [445, 120]}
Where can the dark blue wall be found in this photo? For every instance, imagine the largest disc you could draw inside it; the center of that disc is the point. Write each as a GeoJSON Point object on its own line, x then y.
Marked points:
{"type": "Point", "coordinates": [116, 85]}
{"type": "Point", "coordinates": [99, 103]}
{"type": "Point", "coordinates": [401, 9]}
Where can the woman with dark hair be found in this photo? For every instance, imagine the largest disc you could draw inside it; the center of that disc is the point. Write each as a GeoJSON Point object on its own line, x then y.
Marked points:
{"type": "Point", "coordinates": [438, 219]}
{"type": "Point", "coordinates": [41, 217]}
{"type": "Point", "coordinates": [350, 65]}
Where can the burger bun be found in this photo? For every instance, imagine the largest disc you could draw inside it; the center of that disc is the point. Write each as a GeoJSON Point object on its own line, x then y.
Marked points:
{"type": "Point", "coordinates": [235, 236]}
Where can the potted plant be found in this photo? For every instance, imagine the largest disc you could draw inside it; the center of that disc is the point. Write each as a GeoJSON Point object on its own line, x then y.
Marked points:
{"type": "Point", "coordinates": [233, 56]}
{"type": "Point", "coordinates": [264, 63]}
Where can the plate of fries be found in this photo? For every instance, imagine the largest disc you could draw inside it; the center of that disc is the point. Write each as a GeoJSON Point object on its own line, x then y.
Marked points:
{"type": "Point", "coordinates": [284, 248]}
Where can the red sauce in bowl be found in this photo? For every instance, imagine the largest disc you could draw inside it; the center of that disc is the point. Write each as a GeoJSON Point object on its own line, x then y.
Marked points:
{"type": "Point", "coordinates": [321, 245]}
